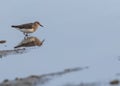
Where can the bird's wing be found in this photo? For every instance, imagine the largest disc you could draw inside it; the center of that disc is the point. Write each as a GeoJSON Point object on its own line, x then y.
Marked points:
{"type": "Point", "coordinates": [26, 26]}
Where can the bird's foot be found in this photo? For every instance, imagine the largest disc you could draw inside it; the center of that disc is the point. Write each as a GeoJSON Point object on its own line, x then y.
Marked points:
{"type": "Point", "coordinates": [26, 35]}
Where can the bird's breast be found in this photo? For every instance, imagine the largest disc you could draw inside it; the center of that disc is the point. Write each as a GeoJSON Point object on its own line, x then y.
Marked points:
{"type": "Point", "coordinates": [31, 30]}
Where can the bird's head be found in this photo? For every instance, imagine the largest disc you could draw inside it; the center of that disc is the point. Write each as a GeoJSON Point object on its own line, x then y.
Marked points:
{"type": "Point", "coordinates": [38, 23]}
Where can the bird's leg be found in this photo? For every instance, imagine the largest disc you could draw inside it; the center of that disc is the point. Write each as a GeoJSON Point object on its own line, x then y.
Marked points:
{"type": "Point", "coordinates": [25, 34]}
{"type": "Point", "coordinates": [25, 37]}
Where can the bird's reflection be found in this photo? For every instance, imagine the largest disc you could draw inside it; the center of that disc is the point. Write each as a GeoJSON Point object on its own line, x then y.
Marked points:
{"type": "Point", "coordinates": [21, 47]}
{"type": "Point", "coordinates": [30, 42]}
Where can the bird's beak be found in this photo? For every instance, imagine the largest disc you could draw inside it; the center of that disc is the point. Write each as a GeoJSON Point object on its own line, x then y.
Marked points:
{"type": "Point", "coordinates": [41, 25]}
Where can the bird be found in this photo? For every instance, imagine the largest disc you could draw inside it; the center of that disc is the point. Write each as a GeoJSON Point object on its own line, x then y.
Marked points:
{"type": "Point", "coordinates": [30, 42]}
{"type": "Point", "coordinates": [28, 27]}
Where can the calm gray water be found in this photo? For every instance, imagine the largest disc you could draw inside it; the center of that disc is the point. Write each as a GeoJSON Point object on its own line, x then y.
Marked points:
{"type": "Point", "coordinates": [77, 33]}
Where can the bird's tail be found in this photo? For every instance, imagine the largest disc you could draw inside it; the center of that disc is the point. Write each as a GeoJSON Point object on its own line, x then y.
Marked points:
{"type": "Point", "coordinates": [14, 26]}
{"type": "Point", "coordinates": [17, 46]}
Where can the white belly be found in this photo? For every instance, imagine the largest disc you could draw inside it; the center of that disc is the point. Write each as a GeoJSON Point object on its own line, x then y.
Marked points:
{"type": "Point", "coordinates": [27, 30]}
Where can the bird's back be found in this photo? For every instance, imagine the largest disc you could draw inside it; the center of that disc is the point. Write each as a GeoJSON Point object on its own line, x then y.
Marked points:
{"type": "Point", "coordinates": [22, 26]}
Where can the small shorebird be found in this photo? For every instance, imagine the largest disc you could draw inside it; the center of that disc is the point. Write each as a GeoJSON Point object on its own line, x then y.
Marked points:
{"type": "Point", "coordinates": [28, 28]}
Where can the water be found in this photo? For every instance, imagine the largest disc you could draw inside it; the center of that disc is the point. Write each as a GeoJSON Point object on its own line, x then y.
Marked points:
{"type": "Point", "coordinates": [77, 34]}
